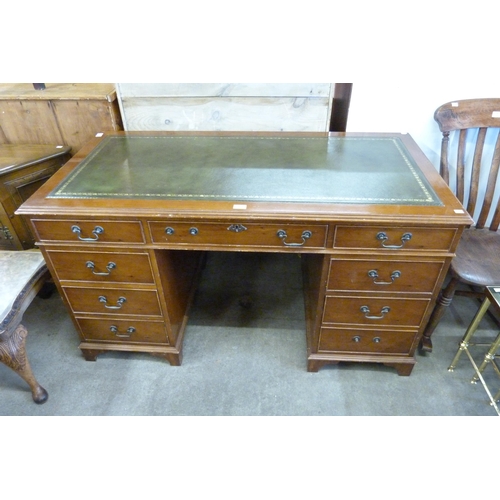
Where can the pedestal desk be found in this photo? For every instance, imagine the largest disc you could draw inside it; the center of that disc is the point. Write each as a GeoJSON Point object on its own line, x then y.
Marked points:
{"type": "Point", "coordinates": [125, 223]}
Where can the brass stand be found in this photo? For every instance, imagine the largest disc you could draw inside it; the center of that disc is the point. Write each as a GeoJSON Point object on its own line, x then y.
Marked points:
{"type": "Point", "coordinates": [492, 297]}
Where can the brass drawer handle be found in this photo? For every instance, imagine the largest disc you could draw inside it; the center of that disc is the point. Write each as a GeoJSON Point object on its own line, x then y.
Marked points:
{"type": "Point", "coordinates": [366, 311]}
{"type": "Point", "coordinates": [119, 302]}
{"type": "Point", "coordinates": [383, 238]}
{"type": "Point", "coordinates": [130, 331]}
{"type": "Point", "coordinates": [283, 236]}
{"type": "Point", "coordinates": [96, 231]}
{"type": "Point", "coordinates": [109, 267]}
{"type": "Point", "coordinates": [373, 274]}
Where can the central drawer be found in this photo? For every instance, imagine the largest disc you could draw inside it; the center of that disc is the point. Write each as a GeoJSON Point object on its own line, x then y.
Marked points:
{"type": "Point", "coordinates": [376, 312]}
{"type": "Point", "coordinates": [112, 301]}
{"type": "Point", "coordinates": [239, 234]}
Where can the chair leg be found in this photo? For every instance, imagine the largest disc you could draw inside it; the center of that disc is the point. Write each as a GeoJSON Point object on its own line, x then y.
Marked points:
{"type": "Point", "coordinates": [13, 354]}
{"type": "Point", "coordinates": [443, 301]}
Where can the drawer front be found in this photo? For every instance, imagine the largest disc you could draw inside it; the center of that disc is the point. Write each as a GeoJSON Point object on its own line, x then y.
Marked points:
{"type": "Point", "coordinates": [85, 231]}
{"type": "Point", "coordinates": [123, 331]}
{"type": "Point", "coordinates": [393, 239]}
{"type": "Point", "coordinates": [102, 266]}
{"type": "Point", "coordinates": [365, 341]}
{"type": "Point", "coordinates": [383, 276]}
{"type": "Point", "coordinates": [238, 234]}
{"type": "Point", "coordinates": [112, 301]}
{"type": "Point", "coordinates": [375, 311]}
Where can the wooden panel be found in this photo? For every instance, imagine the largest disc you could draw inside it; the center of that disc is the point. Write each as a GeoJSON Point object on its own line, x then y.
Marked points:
{"type": "Point", "coordinates": [223, 89]}
{"type": "Point", "coordinates": [29, 122]}
{"type": "Point", "coordinates": [79, 121]}
{"type": "Point", "coordinates": [78, 91]}
{"type": "Point", "coordinates": [226, 106]}
{"type": "Point", "coordinates": [226, 114]}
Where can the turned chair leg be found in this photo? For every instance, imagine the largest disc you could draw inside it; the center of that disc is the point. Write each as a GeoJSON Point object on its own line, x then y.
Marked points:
{"type": "Point", "coordinates": [13, 354]}
{"type": "Point", "coordinates": [443, 301]}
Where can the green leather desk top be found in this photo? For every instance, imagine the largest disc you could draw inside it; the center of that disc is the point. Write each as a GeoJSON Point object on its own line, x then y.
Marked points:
{"type": "Point", "coordinates": [360, 170]}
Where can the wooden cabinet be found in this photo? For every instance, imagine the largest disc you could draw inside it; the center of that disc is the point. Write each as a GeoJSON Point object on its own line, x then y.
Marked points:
{"type": "Point", "coordinates": [23, 169]}
{"type": "Point", "coordinates": [62, 113]}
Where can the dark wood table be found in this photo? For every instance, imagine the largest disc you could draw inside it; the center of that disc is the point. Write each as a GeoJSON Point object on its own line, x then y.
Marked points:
{"type": "Point", "coordinates": [373, 221]}
{"type": "Point", "coordinates": [23, 169]}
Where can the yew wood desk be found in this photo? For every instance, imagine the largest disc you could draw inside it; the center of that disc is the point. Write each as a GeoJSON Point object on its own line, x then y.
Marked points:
{"type": "Point", "coordinates": [124, 224]}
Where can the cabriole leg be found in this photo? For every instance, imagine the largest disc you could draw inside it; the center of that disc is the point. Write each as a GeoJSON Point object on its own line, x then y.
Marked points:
{"type": "Point", "coordinates": [13, 354]}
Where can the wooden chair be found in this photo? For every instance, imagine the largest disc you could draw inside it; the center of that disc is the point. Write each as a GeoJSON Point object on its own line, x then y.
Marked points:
{"type": "Point", "coordinates": [473, 122]}
{"type": "Point", "coordinates": [23, 273]}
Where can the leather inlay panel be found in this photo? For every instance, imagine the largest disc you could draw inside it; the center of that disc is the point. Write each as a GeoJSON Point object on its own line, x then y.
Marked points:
{"type": "Point", "coordinates": [281, 169]}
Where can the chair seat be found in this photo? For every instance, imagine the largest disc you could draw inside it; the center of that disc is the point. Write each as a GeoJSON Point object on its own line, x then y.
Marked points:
{"type": "Point", "coordinates": [17, 269]}
{"type": "Point", "coordinates": [472, 270]}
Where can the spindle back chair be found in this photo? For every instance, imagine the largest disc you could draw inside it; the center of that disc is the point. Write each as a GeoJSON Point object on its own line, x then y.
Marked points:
{"type": "Point", "coordinates": [475, 123]}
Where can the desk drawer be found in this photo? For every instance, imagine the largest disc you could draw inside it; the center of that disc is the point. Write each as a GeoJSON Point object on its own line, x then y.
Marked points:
{"type": "Point", "coordinates": [102, 266]}
{"type": "Point", "coordinates": [393, 238]}
{"type": "Point", "coordinates": [384, 275]}
{"type": "Point", "coordinates": [365, 341]}
{"type": "Point", "coordinates": [239, 234]}
{"type": "Point", "coordinates": [128, 331]}
{"type": "Point", "coordinates": [375, 311]}
{"type": "Point", "coordinates": [89, 231]}
{"type": "Point", "coordinates": [113, 301]}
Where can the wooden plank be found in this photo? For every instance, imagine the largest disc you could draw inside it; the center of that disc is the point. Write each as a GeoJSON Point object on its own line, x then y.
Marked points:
{"type": "Point", "coordinates": [126, 90]}
{"type": "Point", "coordinates": [71, 91]}
{"type": "Point", "coordinates": [226, 114]}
